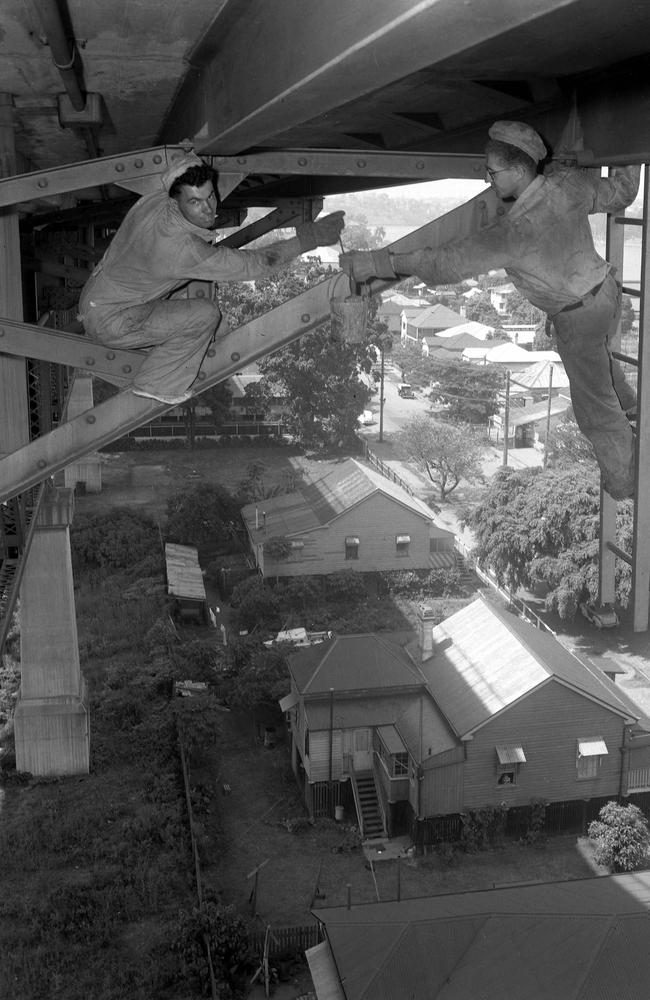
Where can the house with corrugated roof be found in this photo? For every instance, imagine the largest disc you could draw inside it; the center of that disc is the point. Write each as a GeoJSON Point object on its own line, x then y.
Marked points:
{"type": "Point", "coordinates": [420, 323]}
{"type": "Point", "coordinates": [482, 709]}
{"type": "Point", "coordinates": [351, 518]}
{"type": "Point", "coordinates": [574, 940]}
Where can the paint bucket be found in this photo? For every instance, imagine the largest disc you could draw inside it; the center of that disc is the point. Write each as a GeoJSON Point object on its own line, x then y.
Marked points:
{"type": "Point", "coordinates": [349, 317]}
{"type": "Point", "coordinates": [338, 813]}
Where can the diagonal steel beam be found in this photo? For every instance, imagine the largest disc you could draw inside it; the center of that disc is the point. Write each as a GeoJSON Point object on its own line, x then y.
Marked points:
{"type": "Point", "coordinates": [124, 412]}
{"type": "Point", "coordinates": [335, 52]}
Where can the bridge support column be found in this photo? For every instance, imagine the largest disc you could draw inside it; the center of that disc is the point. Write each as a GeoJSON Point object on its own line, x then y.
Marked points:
{"type": "Point", "coordinates": [51, 719]}
{"type": "Point", "coordinates": [87, 470]}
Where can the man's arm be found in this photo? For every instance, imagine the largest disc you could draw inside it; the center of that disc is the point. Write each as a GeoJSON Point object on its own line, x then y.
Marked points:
{"type": "Point", "coordinates": [616, 192]}
{"type": "Point", "coordinates": [445, 265]}
{"type": "Point", "coordinates": [222, 264]}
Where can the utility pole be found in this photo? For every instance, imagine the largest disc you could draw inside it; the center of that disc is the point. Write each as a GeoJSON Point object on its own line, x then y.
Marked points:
{"type": "Point", "coordinates": [381, 396]}
{"type": "Point", "coordinates": [506, 420]}
{"type": "Point", "coordinates": [548, 413]}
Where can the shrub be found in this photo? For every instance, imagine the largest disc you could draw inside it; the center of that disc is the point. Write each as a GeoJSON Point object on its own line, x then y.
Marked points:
{"type": "Point", "coordinates": [622, 837]}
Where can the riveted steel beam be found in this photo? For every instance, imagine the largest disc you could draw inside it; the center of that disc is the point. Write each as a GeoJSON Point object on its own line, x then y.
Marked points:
{"type": "Point", "coordinates": [27, 340]}
{"type": "Point", "coordinates": [357, 163]}
{"type": "Point", "coordinates": [138, 171]}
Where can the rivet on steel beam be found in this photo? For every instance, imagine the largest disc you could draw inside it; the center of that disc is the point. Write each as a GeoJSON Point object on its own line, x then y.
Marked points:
{"type": "Point", "coordinates": [126, 369]}
{"type": "Point", "coordinates": [138, 163]}
{"type": "Point", "coordinates": [200, 293]}
{"type": "Point", "coordinates": [2, 333]}
{"type": "Point", "coordinates": [90, 362]}
{"type": "Point", "coordinates": [241, 159]}
{"type": "Point", "coordinates": [201, 376]}
{"type": "Point", "coordinates": [110, 355]}
{"type": "Point", "coordinates": [361, 163]}
{"type": "Point", "coordinates": [302, 162]}
{"type": "Point", "coordinates": [235, 356]}
{"type": "Point", "coordinates": [157, 158]}
{"type": "Point", "coordinates": [119, 167]}
{"type": "Point", "coordinates": [211, 351]}
{"type": "Point", "coordinates": [41, 464]}
{"type": "Point", "coordinates": [305, 318]}
{"type": "Point", "coordinates": [91, 419]}
{"type": "Point", "coordinates": [43, 182]}
{"type": "Point", "coordinates": [419, 165]}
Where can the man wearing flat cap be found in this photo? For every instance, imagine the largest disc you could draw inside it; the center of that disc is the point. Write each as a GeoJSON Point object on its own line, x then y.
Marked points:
{"type": "Point", "coordinates": [545, 245]}
{"type": "Point", "coordinates": [166, 240]}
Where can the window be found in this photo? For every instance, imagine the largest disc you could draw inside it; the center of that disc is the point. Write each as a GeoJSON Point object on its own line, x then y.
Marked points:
{"type": "Point", "coordinates": [509, 760]}
{"type": "Point", "coordinates": [402, 543]}
{"type": "Point", "coordinates": [400, 765]}
{"type": "Point", "coordinates": [589, 756]}
{"type": "Point", "coordinates": [351, 547]}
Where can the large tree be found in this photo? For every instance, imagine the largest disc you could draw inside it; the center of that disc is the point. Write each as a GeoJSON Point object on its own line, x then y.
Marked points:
{"type": "Point", "coordinates": [536, 526]}
{"type": "Point", "coordinates": [319, 379]}
{"type": "Point", "coordinates": [567, 446]}
{"type": "Point", "coordinates": [206, 516]}
{"type": "Point", "coordinates": [469, 391]}
{"type": "Point", "coordinates": [317, 375]}
{"type": "Point", "coordinates": [446, 452]}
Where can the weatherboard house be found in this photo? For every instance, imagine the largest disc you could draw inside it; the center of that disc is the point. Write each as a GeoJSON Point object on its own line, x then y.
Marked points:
{"type": "Point", "coordinates": [481, 709]}
{"type": "Point", "coordinates": [351, 518]}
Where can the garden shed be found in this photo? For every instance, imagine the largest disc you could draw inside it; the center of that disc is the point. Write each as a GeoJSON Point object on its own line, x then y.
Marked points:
{"type": "Point", "coordinates": [185, 582]}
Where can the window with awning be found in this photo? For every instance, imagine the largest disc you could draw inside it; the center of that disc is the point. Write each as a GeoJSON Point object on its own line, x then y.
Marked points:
{"type": "Point", "coordinates": [589, 755]}
{"type": "Point", "coordinates": [509, 759]}
{"type": "Point", "coordinates": [402, 543]}
{"type": "Point", "coordinates": [351, 547]}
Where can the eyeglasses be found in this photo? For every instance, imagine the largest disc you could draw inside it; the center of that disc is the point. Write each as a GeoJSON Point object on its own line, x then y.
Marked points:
{"type": "Point", "coordinates": [492, 173]}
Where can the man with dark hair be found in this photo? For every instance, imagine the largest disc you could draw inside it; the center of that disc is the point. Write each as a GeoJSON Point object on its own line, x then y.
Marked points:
{"type": "Point", "coordinates": [166, 240]}
{"type": "Point", "coordinates": [544, 243]}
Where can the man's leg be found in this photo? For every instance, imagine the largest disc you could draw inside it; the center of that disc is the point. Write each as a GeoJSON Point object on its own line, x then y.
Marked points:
{"type": "Point", "coordinates": [178, 330]}
{"type": "Point", "coordinates": [599, 392]}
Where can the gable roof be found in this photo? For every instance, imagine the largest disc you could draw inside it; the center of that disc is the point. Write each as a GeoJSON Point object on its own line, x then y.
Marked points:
{"type": "Point", "coordinates": [438, 316]}
{"type": "Point", "coordinates": [486, 659]}
{"type": "Point", "coordinates": [508, 352]}
{"type": "Point", "coordinates": [318, 503]}
{"type": "Point", "coordinates": [471, 326]}
{"type": "Point", "coordinates": [577, 940]}
{"type": "Point", "coordinates": [450, 340]}
{"type": "Point", "coordinates": [537, 375]}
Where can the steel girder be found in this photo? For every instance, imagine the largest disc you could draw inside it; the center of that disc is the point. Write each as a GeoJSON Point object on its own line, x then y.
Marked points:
{"type": "Point", "coordinates": [335, 52]}
{"type": "Point", "coordinates": [140, 171]}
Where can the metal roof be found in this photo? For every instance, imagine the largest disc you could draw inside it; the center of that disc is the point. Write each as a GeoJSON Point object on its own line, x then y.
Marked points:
{"type": "Point", "coordinates": [485, 659]}
{"type": "Point", "coordinates": [318, 503]}
{"type": "Point", "coordinates": [577, 940]}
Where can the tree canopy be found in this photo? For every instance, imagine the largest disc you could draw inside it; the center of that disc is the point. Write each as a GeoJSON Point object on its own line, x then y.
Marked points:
{"type": "Point", "coordinates": [536, 526]}
{"type": "Point", "coordinates": [468, 391]}
{"type": "Point", "coordinates": [622, 837]}
{"type": "Point", "coordinates": [317, 376]}
{"type": "Point", "coordinates": [446, 452]}
{"type": "Point", "coordinates": [204, 516]}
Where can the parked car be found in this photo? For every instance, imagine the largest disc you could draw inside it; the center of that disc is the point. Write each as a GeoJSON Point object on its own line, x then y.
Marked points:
{"type": "Point", "coordinates": [405, 390]}
{"type": "Point", "coordinates": [602, 617]}
{"type": "Point", "coordinates": [366, 418]}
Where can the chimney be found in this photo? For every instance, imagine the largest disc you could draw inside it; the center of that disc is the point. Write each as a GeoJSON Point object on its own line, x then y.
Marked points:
{"type": "Point", "coordinates": [426, 615]}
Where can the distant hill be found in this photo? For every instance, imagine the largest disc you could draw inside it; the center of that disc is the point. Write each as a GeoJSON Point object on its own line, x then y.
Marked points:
{"type": "Point", "coordinates": [382, 209]}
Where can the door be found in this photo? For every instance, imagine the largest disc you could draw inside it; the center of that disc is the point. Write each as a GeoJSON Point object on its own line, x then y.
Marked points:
{"type": "Point", "coordinates": [357, 750]}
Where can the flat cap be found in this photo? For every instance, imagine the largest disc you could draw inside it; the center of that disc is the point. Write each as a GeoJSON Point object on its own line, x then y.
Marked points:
{"type": "Point", "coordinates": [179, 166]}
{"type": "Point", "coordinates": [521, 135]}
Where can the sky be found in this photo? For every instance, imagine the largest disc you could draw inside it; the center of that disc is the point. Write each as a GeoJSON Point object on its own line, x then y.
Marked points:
{"type": "Point", "coordinates": [450, 188]}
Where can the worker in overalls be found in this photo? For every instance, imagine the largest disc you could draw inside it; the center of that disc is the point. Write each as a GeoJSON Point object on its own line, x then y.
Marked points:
{"type": "Point", "coordinates": [544, 243]}
{"type": "Point", "coordinates": [166, 240]}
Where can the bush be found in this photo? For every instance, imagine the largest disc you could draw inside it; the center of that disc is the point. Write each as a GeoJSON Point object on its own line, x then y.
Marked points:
{"type": "Point", "coordinates": [622, 837]}
{"type": "Point", "coordinates": [118, 540]}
